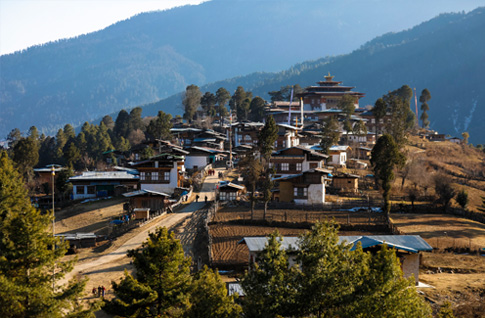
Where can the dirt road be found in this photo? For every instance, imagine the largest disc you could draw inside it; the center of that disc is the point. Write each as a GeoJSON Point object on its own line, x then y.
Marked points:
{"type": "Point", "coordinates": [106, 268]}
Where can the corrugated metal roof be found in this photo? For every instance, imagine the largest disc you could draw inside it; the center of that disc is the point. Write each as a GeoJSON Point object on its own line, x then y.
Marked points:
{"type": "Point", "coordinates": [104, 175]}
{"type": "Point", "coordinates": [257, 244]}
{"type": "Point", "coordinates": [142, 192]}
{"type": "Point", "coordinates": [410, 243]}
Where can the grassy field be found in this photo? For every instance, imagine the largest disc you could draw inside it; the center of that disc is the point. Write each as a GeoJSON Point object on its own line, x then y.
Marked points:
{"type": "Point", "coordinates": [456, 277]}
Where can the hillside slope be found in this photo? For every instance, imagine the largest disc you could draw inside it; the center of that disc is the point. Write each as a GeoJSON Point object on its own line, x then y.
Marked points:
{"type": "Point", "coordinates": [154, 55]}
{"type": "Point", "coordinates": [445, 55]}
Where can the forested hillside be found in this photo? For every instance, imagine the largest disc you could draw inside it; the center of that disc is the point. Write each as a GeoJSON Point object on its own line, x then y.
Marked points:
{"type": "Point", "coordinates": [154, 55]}
{"type": "Point", "coordinates": [445, 55]}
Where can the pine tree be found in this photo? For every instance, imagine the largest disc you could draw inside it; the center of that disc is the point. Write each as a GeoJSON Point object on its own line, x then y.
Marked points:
{"type": "Point", "coordinates": [222, 96]}
{"type": "Point", "coordinates": [191, 101]}
{"type": "Point", "coordinates": [330, 272]}
{"type": "Point", "coordinates": [162, 279]}
{"type": "Point", "coordinates": [423, 99]}
{"type": "Point", "coordinates": [257, 108]}
{"type": "Point", "coordinates": [209, 298]}
{"type": "Point", "coordinates": [330, 134]}
{"type": "Point", "coordinates": [386, 156]}
{"type": "Point", "coordinates": [268, 286]}
{"type": "Point", "coordinates": [27, 258]}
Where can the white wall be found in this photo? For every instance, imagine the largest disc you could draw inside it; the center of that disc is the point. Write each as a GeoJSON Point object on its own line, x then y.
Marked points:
{"type": "Point", "coordinates": [316, 195]}
{"type": "Point", "coordinates": [199, 161]}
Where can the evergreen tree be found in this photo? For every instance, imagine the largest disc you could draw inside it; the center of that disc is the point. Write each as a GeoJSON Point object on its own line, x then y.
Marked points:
{"type": "Point", "coordinates": [266, 140]}
{"type": "Point", "coordinates": [162, 283]}
{"type": "Point", "coordinates": [237, 99]}
{"type": "Point", "coordinates": [160, 126]}
{"type": "Point", "coordinates": [384, 292]}
{"type": "Point", "coordinates": [69, 132]}
{"type": "Point", "coordinates": [267, 137]}
{"type": "Point", "coordinates": [191, 101]}
{"type": "Point", "coordinates": [136, 122]}
{"type": "Point", "coordinates": [26, 156]}
{"type": "Point", "coordinates": [27, 258]}
{"type": "Point", "coordinates": [379, 111]}
{"type": "Point", "coordinates": [72, 154]}
{"type": "Point", "coordinates": [243, 109]}
{"type": "Point", "coordinates": [386, 156]}
{"type": "Point", "coordinates": [402, 118]}
{"type": "Point", "coordinates": [269, 285]}
{"type": "Point", "coordinates": [423, 99]}
{"type": "Point", "coordinates": [13, 137]}
{"type": "Point", "coordinates": [61, 141]}
{"type": "Point", "coordinates": [47, 151]}
{"type": "Point", "coordinates": [257, 109]}
{"type": "Point", "coordinates": [330, 134]}
{"type": "Point", "coordinates": [329, 272]}
{"type": "Point", "coordinates": [122, 126]}
{"type": "Point", "coordinates": [209, 298]}
{"type": "Point", "coordinates": [108, 121]}
{"type": "Point", "coordinates": [252, 171]}
{"type": "Point", "coordinates": [208, 101]}
{"type": "Point", "coordinates": [222, 97]}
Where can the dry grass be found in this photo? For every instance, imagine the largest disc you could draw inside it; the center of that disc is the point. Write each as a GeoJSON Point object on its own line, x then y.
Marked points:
{"type": "Point", "coordinates": [442, 230]}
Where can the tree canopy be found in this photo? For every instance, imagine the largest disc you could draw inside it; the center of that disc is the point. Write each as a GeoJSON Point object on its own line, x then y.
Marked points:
{"type": "Point", "coordinates": [27, 258]}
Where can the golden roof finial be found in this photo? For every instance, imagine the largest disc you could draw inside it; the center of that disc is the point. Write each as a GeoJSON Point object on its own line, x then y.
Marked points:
{"type": "Point", "coordinates": [329, 77]}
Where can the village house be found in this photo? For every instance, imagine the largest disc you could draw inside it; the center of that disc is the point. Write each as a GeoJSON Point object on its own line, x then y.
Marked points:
{"type": "Point", "coordinates": [156, 202]}
{"type": "Point", "coordinates": [295, 160]}
{"type": "Point", "coordinates": [199, 157]}
{"type": "Point", "coordinates": [339, 155]}
{"type": "Point", "coordinates": [306, 188]}
{"type": "Point", "coordinates": [245, 133]}
{"type": "Point", "coordinates": [161, 173]}
{"type": "Point", "coordinates": [287, 137]}
{"type": "Point", "coordinates": [44, 175]}
{"type": "Point", "coordinates": [346, 182]}
{"type": "Point", "coordinates": [93, 184]}
{"type": "Point", "coordinates": [407, 247]}
{"type": "Point", "coordinates": [228, 191]}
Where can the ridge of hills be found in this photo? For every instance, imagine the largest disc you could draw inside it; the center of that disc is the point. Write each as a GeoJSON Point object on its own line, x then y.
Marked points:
{"type": "Point", "coordinates": [445, 55]}
{"type": "Point", "coordinates": [154, 55]}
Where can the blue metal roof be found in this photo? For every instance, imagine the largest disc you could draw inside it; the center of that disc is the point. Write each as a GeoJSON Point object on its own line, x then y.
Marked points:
{"type": "Point", "coordinates": [410, 243]}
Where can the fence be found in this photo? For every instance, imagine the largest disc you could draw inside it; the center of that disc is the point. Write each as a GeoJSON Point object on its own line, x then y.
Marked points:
{"type": "Point", "coordinates": [211, 212]}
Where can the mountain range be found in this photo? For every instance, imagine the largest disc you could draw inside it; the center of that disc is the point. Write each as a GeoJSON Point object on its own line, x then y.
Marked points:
{"type": "Point", "coordinates": [155, 55]}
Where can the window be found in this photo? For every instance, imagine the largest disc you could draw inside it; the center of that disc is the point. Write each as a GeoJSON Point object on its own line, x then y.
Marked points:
{"type": "Point", "coordinates": [91, 190]}
{"type": "Point", "coordinates": [276, 144]}
{"type": "Point", "coordinates": [298, 166]}
{"type": "Point", "coordinates": [80, 190]}
{"type": "Point", "coordinates": [285, 166]}
{"type": "Point", "coordinates": [271, 165]}
{"type": "Point", "coordinates": [137, 156]}
{"type": "Point", "coordinates": [148, 176]}
{"type": "Point", "coordinates": [142, 176]}
{"type": "Point", "coordinates": [232, 196]}
{"type": "Point", "coordinates": [166, 176]}
{"type": "Point", "coordinates": [283, 143]}
{"type": "Point", "coordinates": [299, 192]}
{"type": "Point", "coordinates": [222, 196]}
{"type": "Point", "coordinates": [247, 138]}
{"type": "Point", "coordinates": [155, 175]}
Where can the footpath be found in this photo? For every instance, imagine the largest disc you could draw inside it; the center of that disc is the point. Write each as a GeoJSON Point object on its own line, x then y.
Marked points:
{"type": "Point", "coordinates": [103, 269]}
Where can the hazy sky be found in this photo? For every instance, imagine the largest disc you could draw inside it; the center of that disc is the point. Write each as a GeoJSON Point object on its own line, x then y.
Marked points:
{"type": "Point", "coordinates": [24, 23]}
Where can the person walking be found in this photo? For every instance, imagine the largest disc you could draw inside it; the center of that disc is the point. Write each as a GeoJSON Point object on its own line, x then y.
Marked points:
{"type": "Point", "coordinates": [99, 291]}
{"type": "Point", "coordinates": [205, 199]}
{"type": "Point", "coordinates": [197, 198]}
{"type": "Point", "coordinates": [103, 290]}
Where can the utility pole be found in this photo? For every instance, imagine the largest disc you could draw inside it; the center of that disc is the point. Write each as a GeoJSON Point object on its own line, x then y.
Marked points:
{"type": "Point", "coordinates": [416, 105]}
